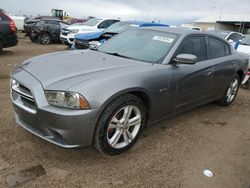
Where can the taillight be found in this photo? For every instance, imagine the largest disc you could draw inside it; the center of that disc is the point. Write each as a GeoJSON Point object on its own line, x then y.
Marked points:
{"type": "Point", "coordinates": [12, 26]}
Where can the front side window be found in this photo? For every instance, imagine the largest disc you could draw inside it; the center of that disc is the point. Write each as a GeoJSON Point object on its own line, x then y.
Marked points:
{"type": "Point", "coordinates": [144, 45]}
{"type": "Point", "coordinates": [216, 48]}
{"type": "Point", "coordinates": [194, 45]}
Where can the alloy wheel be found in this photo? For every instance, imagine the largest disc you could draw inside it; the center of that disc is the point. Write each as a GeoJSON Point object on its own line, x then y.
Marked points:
{"type": "Point", "coordinates": [124, 126]}
{"type": "Point", "coordinates": [232, 90]}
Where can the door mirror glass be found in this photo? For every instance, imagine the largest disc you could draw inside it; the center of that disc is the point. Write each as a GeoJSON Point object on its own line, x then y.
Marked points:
{"type": "Point", "coordinates": [185, 59]}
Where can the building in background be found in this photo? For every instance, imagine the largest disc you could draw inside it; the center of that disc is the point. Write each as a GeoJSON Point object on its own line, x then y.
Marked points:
{"type": "Point", "coordinates": [239, 23]}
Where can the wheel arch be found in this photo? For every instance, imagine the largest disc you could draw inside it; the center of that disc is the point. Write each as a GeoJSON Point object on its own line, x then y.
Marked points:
{"type": "Point", "coordinates": [240, 74]}
{"type": "Point", "coordinates": [141, 93]}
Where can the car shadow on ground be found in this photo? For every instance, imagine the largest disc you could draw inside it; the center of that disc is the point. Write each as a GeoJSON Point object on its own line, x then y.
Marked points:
{"type": "Point", "coordinates": [6, 53]}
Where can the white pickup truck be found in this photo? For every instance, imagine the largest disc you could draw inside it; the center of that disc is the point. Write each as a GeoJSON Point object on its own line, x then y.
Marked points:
{"type": "Point", "coordinates": [93, 25]}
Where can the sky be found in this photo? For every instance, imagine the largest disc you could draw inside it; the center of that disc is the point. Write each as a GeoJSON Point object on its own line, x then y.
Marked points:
{"type": "Point", "coordinates": [172, 12]}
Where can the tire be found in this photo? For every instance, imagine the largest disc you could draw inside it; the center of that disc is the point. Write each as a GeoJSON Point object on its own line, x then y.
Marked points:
{"type": "Point", "coordinates": [231, 92]}
{"type": "Point", "coordinates": [113, 124]}
{"type": "Point", "coordinates": [1, 46]}
{"type": "Point", "coordinates": [32, 39]}
{"type": "Point", "coordinates": [45, 39]}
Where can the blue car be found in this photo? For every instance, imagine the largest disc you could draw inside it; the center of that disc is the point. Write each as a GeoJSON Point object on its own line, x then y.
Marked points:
{"type": "Point", "coordinates": [95, 39]}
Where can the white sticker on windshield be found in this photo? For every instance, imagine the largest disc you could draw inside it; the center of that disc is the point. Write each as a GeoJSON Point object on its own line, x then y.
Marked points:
{"type": "Point", "coordinates": [163, 39]}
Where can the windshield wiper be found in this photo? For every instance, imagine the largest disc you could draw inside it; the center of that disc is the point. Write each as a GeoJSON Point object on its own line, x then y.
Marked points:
{"type": "Point", "coordinates": [117, 54]}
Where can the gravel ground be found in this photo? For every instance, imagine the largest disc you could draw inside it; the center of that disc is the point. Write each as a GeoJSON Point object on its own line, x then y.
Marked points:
{"type": "Point", "coordinates": [173, 153]}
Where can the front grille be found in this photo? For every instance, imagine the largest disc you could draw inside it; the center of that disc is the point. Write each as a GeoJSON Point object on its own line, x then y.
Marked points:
{"type": "Point", "coordinates": [81, 44]}
{"type": "Point", "coordinates": [23, 97]}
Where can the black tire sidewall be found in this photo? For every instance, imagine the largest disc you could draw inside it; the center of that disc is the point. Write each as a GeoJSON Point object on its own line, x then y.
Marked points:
{"type": "Point", "coordinates": [101, 141]}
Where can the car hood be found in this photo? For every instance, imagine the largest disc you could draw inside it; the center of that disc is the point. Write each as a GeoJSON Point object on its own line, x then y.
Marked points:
{"type": "Point", "coordinates": [88, 36]}
{"type": "Point", "coordinates": [81, 27]}
{"type": "Point", "coordinates": [62, 70]}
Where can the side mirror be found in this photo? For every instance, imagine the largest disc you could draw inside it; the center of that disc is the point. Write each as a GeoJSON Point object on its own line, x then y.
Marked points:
{"type": "Point", "coordinates": [185, 59]}
{"type": "Point", "coordinates": [230, 41]}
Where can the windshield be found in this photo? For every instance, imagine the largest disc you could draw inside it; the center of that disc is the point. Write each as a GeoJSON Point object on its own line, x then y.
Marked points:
{"type": "Point", "coordinates": [246, 40]}
{"type": "Point", "coordinates": [144, 45]}
{"type": "Point", "coordinates": [119, 27]}
{"type": "Point", "coordinates": [222, 34]}
{"type": "Point", "coordinates": [92, 22]}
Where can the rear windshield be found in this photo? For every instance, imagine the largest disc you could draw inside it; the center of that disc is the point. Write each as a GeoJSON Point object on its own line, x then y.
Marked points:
{"type": "Point", "coordinates": [118, 27]}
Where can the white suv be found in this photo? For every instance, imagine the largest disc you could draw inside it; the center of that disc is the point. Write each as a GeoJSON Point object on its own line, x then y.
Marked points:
{"type": "Point", "coordinates": [93, 25]}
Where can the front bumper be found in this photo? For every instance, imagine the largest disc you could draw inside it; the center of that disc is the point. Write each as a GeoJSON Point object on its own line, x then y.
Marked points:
{"type": "Point", "coordinates": [63, 127]}
{"type": "Point", "coordinates": [67, 40]}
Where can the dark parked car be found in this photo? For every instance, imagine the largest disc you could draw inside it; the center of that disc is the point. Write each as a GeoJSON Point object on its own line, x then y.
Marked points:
{"type": "Point", "coordinates": [46, 31]}
{"type": "Point", "coordinates": [8, 37]}
{"type": "Point", "coordinates": [31, 22]}
{"type": "Point", "coordinates": [106, 97]}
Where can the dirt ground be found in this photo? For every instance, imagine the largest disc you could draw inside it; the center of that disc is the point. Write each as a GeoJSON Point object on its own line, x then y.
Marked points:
{"type": "Point", "coordinates": [173, 153]}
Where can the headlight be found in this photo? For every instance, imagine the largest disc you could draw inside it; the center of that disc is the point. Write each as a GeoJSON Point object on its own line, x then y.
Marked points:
{"type": "Point", "coordinates": [74, 30]}
{"type": "Point", "coordinates": [70, 100]}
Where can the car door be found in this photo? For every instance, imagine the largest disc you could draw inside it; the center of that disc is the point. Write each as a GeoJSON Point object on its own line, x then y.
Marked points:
{"type": "Point", "coordinates": [224, 66]}
{"type": "Point", "coordinates": [53, 28]}
{"type": "Point", "coordinates": [191, 85]}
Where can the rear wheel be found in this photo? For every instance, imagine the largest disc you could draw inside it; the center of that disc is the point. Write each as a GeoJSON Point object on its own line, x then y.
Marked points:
{"type": "Point", "coordinates": [45, 38]}
{"type": "Point", "coordinates": [231, 91]}
{"type": "Point", "coordinates": [120, 125]}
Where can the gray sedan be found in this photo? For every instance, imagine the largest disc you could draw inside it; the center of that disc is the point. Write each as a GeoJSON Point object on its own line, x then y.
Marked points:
{"type": "Point", "coordinates": [105, 97]}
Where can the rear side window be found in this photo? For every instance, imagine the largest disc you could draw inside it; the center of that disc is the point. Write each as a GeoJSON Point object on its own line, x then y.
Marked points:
{"type": "Point", "coordinates": [216, 48]}
{"type": "Point", "coordinates": [194, 45]}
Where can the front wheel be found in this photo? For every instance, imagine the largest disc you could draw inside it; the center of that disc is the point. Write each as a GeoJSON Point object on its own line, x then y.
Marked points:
{"type": "Point", "coordinates": [231, 92]}
{"type": "Point", "coordinates": [45, 39]}
{"type": "Point", "coordinates": [120, 125]}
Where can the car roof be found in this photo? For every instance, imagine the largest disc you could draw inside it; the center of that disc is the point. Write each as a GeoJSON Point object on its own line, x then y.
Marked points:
{"type": "Point", "coordinates": [143, 23]}
{"type": "Point", "coordinates": [177, 30]}
{"type": "Point", "coordinates": [182, 31]}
